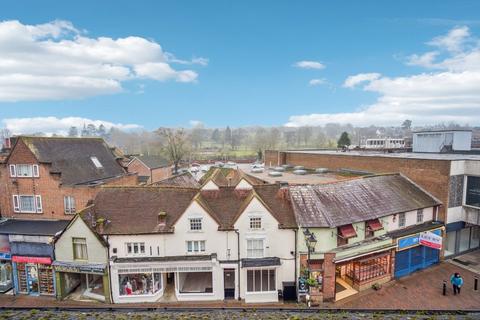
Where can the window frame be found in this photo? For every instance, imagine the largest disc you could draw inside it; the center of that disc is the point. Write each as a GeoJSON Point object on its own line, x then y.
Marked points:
{"type": "Point", "coordinates": [33, 170]}
{"type": "Point", "coordinates": [402, 220]}
{"type": "Point", "coordinates": [83, 244]}
{"type": "Point", "coordinates": [37, 203]}
{"type": "Point", "coordinates": [197, 222]}
{"type": "Point", "coordinates": [96, 162]}
{"type": "Point", "coordinates": [200, 245]}
{"type": "Point", "coordinates": [251, 249]}
{"type": "Point", "coordinates": [420, 216]}
{"type": "Point", "coordinates": [260, 271]}
{"type": "Point", "coordinates": [67, 205]}
{"type": "Point", "coordinates": [135, 245]}
{"type": "Point", "coordinates": [258, 220]}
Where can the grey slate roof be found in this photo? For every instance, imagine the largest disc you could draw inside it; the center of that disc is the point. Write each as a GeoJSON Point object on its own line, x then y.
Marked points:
{"type": "Point", "coordinates": [71, 157]}
{"type": "Point", "coordinates": [345, 202]}
{"type": "Point", "coordinates": [154, 162]}
{"type": "Point", "coordinates": [33, 227]}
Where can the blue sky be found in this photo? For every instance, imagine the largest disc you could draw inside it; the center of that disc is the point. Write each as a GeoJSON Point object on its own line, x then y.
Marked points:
{"type": "Point", "coordinates": [241, 60]}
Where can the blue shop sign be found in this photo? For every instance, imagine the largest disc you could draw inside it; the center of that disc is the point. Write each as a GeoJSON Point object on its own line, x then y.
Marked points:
{"type": "Point", "coordinates": [5, 256]}
{"type": "Point", "coordinates": [413, 240]}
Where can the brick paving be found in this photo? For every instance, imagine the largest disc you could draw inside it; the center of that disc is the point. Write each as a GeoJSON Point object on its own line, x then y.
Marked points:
{"type": "Point", "coordinates": [420, 291]}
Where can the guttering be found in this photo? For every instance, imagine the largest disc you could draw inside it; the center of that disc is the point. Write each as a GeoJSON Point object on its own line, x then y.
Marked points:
{"type": "Point", "coordinates": [238, 262]}
{"type": "Point", "coordinates": [109, 270]}
{"type": "Point", "coordinates": [295, 277]}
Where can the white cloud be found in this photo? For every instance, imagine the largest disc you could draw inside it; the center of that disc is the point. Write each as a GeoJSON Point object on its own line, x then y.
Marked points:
{"type": "Point", "coordinates": [450, 93]}
{"type": "Point", "coordinates": [305, 64]}
{"type": "Point", "coordinates": [317, 82]}
{"type": "Point", "coordinates": [54, 125]}
{"type": "Point", "coordinates": [196, 123]}
{"type": "Point", "coordinates": [55, 61]}
{"type": "Point", "coordinates": [355, 80]}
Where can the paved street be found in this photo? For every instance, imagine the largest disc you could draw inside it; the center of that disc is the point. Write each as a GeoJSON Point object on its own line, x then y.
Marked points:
{"type": "Point", "coordinates": [422, 290]}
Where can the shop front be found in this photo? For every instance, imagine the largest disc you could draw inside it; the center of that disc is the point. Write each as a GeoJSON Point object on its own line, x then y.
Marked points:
{"type": "Point", "coordinates": [414, 253]}
{"type": "Point", "coordinates": [167, 280]}
{"type": "Point", "coordinates": [82, 280]}
{"type": "Point", "coordinates": [6, 277]}
{"type": "Point", "coordinates": [33, 275]}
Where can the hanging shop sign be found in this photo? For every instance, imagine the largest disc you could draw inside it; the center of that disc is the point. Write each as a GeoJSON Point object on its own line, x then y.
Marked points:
{"type": "Point", "coordinates": [431, 240]}
{"type": "Point", "coordinates": [39, 260]}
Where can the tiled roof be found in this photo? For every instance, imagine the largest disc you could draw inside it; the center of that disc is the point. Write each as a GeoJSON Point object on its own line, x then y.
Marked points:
{"type": "Point", "coordinates": [71, 158]}
{"type": "Point", "coordinates": [183, 180]}
{"type": "Point", "coordinates": [135, 210]}
{"type": "Point", "coordinates": [154, 162]}
{"type": "Point", "coordinates": [225, 177]}
{"type": "Point", "coordinates": [345, 202]}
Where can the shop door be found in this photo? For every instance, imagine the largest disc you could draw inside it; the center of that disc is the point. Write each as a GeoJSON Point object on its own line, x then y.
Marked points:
{"type": "Point", "coordinates": [32, 279]}
{"type": "Point", "coordinates": [229, 283]}
{"type": "Point", "coordinates": [417, 258]}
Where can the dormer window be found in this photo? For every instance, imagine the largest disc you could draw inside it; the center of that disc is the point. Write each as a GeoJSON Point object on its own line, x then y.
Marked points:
{"type": "Point", "coordinates": [255, 223]}
{"type": "Point", "coordinates": [96, 162]}
{"type": "Point", "coordinates": [195, 224]}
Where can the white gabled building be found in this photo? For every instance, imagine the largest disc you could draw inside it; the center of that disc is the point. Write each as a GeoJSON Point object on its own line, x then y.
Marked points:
{"type": "Point", "coordinates": [181, 244]}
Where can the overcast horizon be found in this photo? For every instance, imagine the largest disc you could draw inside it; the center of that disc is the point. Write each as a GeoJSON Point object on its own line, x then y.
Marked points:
{"type": "Point", "coordinates": [183, 63]}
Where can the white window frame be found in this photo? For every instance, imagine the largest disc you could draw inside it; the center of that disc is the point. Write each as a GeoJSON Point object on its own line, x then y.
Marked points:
{"type": "Point", "coordinates": [251, 250]}
{"type": "Point", "coordinates": [134, 245]}
{"type": "Point", "coordinates": [69, 204]}
{"type": "Point", "coordinates": [255, 223]}
{"type": "Point", "coordinates": [37, 203]}
{"type": "Point", "coordinates": [196, 246]}
{"type": "Point", "coordinates": [80, 242]}
{"type": "Point", "coordinates": [402, 217]}
{"type": "Point", "coordinates": [32, 168]}
{"type": "Point", "coordinates": [420, 214]}
{"type": "Point", "coordinates": [197, 222]}
{"type": "Point", "coordinates": [261, 282]}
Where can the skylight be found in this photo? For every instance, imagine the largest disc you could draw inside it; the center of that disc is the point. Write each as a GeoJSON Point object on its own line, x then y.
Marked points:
{"type": "Point", "coordinates": [96, 162]}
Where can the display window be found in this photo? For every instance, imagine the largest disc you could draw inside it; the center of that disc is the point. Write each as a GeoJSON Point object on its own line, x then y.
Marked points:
{"type": "Point", "coordinates": [368, 268]}
{"type": "Point", "coordinates": [136, 284]}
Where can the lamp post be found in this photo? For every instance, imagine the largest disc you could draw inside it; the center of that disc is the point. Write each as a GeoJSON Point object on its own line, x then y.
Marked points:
{"type": "Point", "coordinates": [311, 242]}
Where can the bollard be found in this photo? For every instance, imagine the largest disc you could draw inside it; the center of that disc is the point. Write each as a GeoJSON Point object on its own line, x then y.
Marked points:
{"type": "Point", "coordinates": [444, 287]}
{"type": "Point", "coordinates": [475, 283]}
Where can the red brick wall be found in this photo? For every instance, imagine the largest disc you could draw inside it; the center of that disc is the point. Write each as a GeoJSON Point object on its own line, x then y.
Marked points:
{"type": "Point", "coordinates": [136, 166]}
{"type": "Point", "coordinates": [329, 277]}
{"type": "Point", "coordinates": [161, 173]}
{"type": "Point", "coordinates": [433, 175]}
{"type": "Point", "coordinates": [47, 185]}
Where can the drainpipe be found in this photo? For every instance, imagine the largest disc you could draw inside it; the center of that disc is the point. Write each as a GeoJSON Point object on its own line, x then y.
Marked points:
{"type": "Point", "coordinates": [295, 279]}
{"type": "Point", "coordinates": [109, 271]}
{"type": "Point", "coordinates": [238, 261]}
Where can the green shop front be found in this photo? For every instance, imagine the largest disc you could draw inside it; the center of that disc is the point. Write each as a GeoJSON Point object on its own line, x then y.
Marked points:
{"type": "Point", "coordinates": [82, 281]}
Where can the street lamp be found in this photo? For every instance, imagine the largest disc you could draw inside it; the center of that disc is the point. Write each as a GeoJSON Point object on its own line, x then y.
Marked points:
{"type": "Point", "coordinates": [311, 242]}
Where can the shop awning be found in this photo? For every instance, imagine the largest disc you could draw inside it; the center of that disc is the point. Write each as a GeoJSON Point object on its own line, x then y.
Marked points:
{"type": "Point", "coordinates": [347, 231]}
{"type": "Point", "coordinates": [374, 225]}
{"type": "Point", "coordinates": [23, 259]}
{"type": "Point", "coordinates": [260, 262]}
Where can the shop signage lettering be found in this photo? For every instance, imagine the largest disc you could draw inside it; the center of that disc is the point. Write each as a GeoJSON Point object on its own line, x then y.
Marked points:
{"type": "Point", "coordinates": [431, 240]}
{"type": "Point", "coordinates": [5, 256]}
{"type": "Point", "coordinates": [39, 260]}
{"type": "Point", "coordinates": [80, 269]}
{"type": "Point", "coordinates": [414, 240]}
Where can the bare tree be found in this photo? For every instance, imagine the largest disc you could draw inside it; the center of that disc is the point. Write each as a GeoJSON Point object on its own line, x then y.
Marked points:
{"type": "Point", "coordinates": [175, 145]}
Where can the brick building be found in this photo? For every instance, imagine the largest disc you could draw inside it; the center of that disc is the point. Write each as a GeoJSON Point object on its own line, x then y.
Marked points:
{"type": "Point", "coordinates": [52, 177]}
{"type": "Point", "coordinates": [452, 178]}
{"type": "Point", "coordinates": [150, 169]}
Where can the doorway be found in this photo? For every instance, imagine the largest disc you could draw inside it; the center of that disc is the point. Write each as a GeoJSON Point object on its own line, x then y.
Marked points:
{"type": "Point", "coordinates": [229, 283]}
{"type": "Point", "coordinates": [32, 279]}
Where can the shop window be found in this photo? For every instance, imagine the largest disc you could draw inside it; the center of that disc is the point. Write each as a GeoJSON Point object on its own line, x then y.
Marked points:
{"type": "Point", "coordinates": [69, 204]}
{"type": "Point", "coordinates": [255, 248]}
{"type": "Point", "coordinates": [137, 284]}
{"type": "Point", "coordinates": [135, 248]}
{"type": "Point", "coordinates": [27, 204]}
{"type": "Point", "coordinates": [195, 246]}
{"type": "Point", "coordinates": [5, 274]}
{"type": "Point", "coordinates": [420, 216]}
{"type": "Point", "coordinates": [368, 268]}
{"type": "Point", "coordinates": [195, 282]}
{"type": "Point", "coordinates": [473, 191]}
{"type": "Point", "coordinates": [464, 240]}
{"type": "Point", "coordinates": [450, 243]}
{"type": "Point", "coordinates": [255, 223]}
{"type": "Point", "coordinates": [402, 221]}
{"type": "Point", "coordinates": [80, 249]}
{"type": "Point", "coordinates": [261, 280]}
{"type": "Point", "coordinates": [195, 224]}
